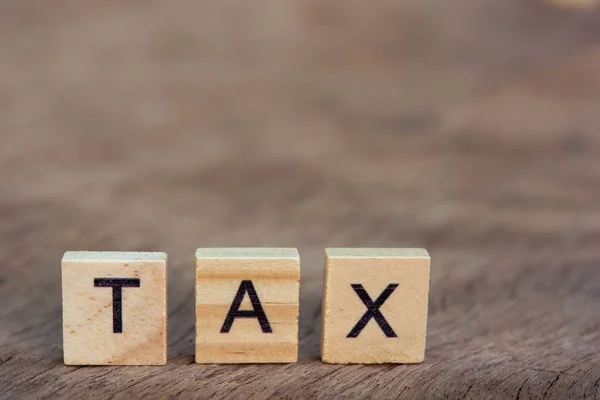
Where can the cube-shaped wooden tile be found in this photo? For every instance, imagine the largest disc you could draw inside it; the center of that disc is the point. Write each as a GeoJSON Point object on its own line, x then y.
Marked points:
{"type": "Point", "coordinates": [114, 308]}
{"type": "Point", "coordinates": [375, 306]}
{"type": "Point", "coordinates": [247, 303]}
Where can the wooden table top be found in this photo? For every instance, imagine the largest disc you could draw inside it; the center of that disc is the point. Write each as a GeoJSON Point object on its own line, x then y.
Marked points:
{"type": "Point", "coordinates": [466, 127]}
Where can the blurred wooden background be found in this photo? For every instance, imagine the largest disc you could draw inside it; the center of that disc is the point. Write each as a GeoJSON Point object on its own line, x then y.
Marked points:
{"type": "Point", "coordinates": [469, 127]}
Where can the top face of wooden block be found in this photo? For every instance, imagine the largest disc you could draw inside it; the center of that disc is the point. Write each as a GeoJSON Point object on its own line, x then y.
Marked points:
{"type": "Point", "coordinates": [272, 263]}
{"type": "Point", "coordinates": [114, 256]}
{"type": "Point", "coordinates": [376, 253]}
{"type": "Point", "coordinates": [247, 252]}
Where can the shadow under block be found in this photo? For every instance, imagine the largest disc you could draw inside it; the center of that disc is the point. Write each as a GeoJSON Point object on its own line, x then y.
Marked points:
{"type": "Point", "coordinates": [247, 304]}
{"type": "Point", "coordinates": [114, 308]}
{"type": "Point", "coordinates": [375, 306]}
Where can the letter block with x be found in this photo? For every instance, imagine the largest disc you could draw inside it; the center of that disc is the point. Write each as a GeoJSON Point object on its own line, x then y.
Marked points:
{"type": "Point", "coordinates": [114, 308]}
{"type": "Point", "coordinates": [375, 306]}
{"type": "Point", "coordinates": [247, 304]}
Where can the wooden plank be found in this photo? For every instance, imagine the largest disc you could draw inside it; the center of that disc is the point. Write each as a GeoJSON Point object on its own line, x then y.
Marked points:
{"type": "Point", "coordinates": [469, 128]}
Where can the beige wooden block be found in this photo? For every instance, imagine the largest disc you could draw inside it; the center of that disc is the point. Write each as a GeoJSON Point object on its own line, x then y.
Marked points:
{"type": "Point", "coordinates": [375, 306]}
{"type": "Point", "coordinates": [114, 308]}
{"type": "Point", "coordinates": [247, 303]}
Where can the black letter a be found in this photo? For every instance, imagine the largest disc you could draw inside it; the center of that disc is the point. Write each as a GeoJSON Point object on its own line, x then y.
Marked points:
{"type": "Point", "coordinates": [257, 312]}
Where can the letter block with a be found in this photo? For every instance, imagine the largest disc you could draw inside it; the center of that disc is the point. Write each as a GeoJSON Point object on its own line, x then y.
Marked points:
{"type": "Point", "coordinates": [114, 308]}
{"type": "Point", "coordinates": [375, 306]}
{"type": "Point", "coordinates": [247, 303]}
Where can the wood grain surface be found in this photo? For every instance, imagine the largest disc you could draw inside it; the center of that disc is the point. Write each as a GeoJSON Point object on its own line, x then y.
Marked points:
{"type": "Point", "coordinates": [468, 127]}
{"type": "Point", "coordinates": [234, 323]}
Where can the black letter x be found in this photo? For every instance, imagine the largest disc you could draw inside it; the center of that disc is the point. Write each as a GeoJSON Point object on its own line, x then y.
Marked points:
{"type": "Point", "coordinates": [373, 310]}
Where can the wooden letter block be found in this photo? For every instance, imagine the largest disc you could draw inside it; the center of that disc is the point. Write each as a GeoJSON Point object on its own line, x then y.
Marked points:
{"type": "Point", "coordinates": [375, 306]}
{"type": "Point", "coordinates": [114, 308]}
{"type": "Point", "coordinates": [247, 302]}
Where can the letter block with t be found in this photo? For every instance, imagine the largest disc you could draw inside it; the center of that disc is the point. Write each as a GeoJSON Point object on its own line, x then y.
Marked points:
{"type": "Point", "coordinates": [114, 308]}
{"type": "Point", "coordinates": [375, 306]}
{"type": "Point", "coordinates": [247, 302]}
